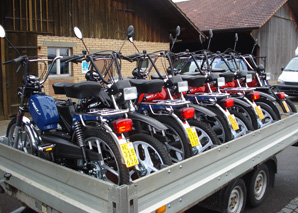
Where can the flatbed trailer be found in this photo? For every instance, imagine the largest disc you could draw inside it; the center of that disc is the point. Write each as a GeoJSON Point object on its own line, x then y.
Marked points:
{"type": "Point", "coordinates": [47, 187]}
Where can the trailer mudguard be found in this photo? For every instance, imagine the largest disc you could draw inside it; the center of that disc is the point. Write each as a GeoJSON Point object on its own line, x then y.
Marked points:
{"type": "Point", "coordinates": [151, 121]}
{"type": "Point", "coordinates": [203, 110]}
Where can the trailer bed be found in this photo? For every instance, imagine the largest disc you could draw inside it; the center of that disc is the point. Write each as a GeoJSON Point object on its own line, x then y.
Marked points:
{"type": "Point", "coordinates": [48, 187]}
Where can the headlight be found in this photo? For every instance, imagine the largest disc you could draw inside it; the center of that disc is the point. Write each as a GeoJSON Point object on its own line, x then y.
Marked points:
{"type": "Point", "coordinates": [130, 93]}
{"type": "Point", "coordinates": [280, 81]}
{"type": "Point", "coordinates": [183, 86]}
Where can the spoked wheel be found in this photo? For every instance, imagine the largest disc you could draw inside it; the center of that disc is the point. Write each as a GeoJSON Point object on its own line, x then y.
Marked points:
{"type": "Point", "coordinates": [244, 125]}
{"type": "Point", "coordinates": [24, 140]}
{"type": "Point", "coordinates": [109, 168]}
{"type": "Point", "coordinates": [269, 114]}
{"type": "Point", "coordinates": [177, 145]}
{"type": "Point", "coordinates": [206, 135]}
{"type": "Point", "coordinates": [235, 197]}
{"type": "Point", "coordinates": [151, 154]}
{"type": "Point", "coordinates": [258, 185]}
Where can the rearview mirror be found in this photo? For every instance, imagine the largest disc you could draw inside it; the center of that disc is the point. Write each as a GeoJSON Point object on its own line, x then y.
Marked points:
{"type": "Point", "coordinates": [78, 33]}
{"type": "Point", "coordinates": [210, 33]}
{"type": "Point", "coordinates": [130, 33]}
{"type": "Point", "coordinates": [2, 32]}
{"type": "Point", "coordinates": [177, 31]}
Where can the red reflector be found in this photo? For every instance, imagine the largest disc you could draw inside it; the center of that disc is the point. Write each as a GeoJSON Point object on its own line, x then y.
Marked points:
{"type": "Point", "coordinates": [281, 95]}
{"type": "Point", "coordinates": [255, 95]}
{"type": "Point", "coordinates": [122, 125]}
{"type": "Point", "coordinates": [229, 102]}
{"type": "Point", "coordinates": [187, 113]}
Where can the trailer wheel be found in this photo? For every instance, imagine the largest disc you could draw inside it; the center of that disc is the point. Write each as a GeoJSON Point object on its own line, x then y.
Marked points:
{"type": "Point", "coordinates": [258, 185]}
{"type": "Point", "coordinates": [235, 197]}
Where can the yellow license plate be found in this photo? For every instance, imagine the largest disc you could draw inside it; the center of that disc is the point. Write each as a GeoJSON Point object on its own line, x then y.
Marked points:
{"type": "Point", "coordinates": [129, 154]}
{"type": "Point", "coordinates": [259, 112]}
{"type": "Point", "coordinates": [193, 136]}
{"type": "Point", "coordinates": [286, 106]}
{"type": "Point", "coordinates": [233, 122]}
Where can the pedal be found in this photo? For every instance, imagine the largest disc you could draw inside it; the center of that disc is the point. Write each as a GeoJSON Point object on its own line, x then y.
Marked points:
{"type": "Point", "coordinates": [46, 147]}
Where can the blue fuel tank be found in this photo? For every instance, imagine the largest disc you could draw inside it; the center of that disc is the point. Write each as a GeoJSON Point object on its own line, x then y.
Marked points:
{"type": "Point", "coordinates": [43, 111]}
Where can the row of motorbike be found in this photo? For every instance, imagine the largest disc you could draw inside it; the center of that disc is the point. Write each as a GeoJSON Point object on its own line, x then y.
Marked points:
{"type": "Point", "coordinates": [119, 129]}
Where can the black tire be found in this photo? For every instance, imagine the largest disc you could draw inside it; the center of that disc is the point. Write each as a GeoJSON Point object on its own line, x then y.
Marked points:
{"type": "Point", "coordinates": [113, 168]}
{"type": "Point", "coordinates": [258, 185]}
{"type": "Point", "coordinates": [25, 143]}
{"type": "Point", "coordinates": [206, 135]}
{"type": "Point", "coordinates": [235, 197]}
{"type": "Point", "coordinates": [151, 153]}
{"type": "Point", "coordinates": [243, 123]}
{"type": "Point", "coordinates": [248, 112]}
{"type": "Point", "coordinates": [178, 146]}
{"type": "Point", "coordinates": [218, 123]}
{"type": "Point", "coordinates": [269, 115]}
{"type": "Point", "coordinates": [291, 105]}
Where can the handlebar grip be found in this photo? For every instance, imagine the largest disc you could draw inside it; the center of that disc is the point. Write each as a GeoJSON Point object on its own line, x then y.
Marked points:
{"type": "Point", "coordinates": [17, 60]}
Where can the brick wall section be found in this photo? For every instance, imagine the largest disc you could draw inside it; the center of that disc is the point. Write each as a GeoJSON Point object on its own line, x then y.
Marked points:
{"type": "Point", "coordinates": [94, 45]}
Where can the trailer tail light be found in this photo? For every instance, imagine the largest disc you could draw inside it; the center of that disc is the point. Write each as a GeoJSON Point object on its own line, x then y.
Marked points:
{"type": "Point", "coordinates": [255, 95]}
{"type": "Point", "coordinates": [122, 125]}
{"type": "Point", "coordinates": [229, 102]}
{"type": "Point", "coordinates": [187, 113]}
{"type": "Point", "coordinates": [281, 95]}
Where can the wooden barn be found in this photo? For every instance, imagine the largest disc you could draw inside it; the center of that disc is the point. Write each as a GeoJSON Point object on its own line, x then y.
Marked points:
{"type": "Point", "coordinates": [45, 27]}
{"type": "Point", "coordinates": [273, 23]}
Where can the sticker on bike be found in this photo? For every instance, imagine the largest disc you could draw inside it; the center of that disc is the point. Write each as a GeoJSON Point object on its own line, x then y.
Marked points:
{"type": "Point", "coordinates": [193, 136]}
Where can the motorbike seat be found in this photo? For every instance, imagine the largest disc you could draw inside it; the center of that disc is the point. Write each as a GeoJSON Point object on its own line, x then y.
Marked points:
{"type": "Point", "coordinates": [147, 86]}
{"type": "Point", "coordinates": [59, 87]}
{"type": "Point", "coordinates": [194, 80]}
{"type": "Point", "coordinates": [83, 89]}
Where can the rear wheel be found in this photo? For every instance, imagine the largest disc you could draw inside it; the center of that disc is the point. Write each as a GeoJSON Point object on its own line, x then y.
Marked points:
{"type": "Point", "coordinates": [218, 124]}
{"type": "Point", "coordinates": [206, 135]}
{"type": "Point", "coordinates": [248, 112]}
{"type": "Point", "coordinates": [110, 168]}
{"type": "Point", "coordinates": [291, 105]}
{"type": "Point", "coordinates": [243, 123]}
{"type": "Point", "coordinates": [269, 114]}
{"type": "Point", "coordinates": [177, 145]}
{"type": "Point", "coordinates": [151, 154]}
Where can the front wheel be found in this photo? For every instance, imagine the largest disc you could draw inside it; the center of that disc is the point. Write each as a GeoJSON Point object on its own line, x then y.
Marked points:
{"type": "Point", "coordinates": [151, 154]}
{"type": "Point", "coordinates": [24, 142]}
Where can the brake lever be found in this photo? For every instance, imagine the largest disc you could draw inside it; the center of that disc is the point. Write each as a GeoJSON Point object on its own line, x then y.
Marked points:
{"type": "Point", "coordinates": [19, 68]}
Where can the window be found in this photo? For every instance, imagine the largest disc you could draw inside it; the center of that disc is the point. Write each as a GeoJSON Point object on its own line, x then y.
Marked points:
{"type": "Point", "coordinates": [60, 68]}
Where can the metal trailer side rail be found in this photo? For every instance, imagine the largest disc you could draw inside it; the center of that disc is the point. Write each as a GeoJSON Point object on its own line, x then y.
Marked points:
{"type": "Point", "coordinates": [44, 186]}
